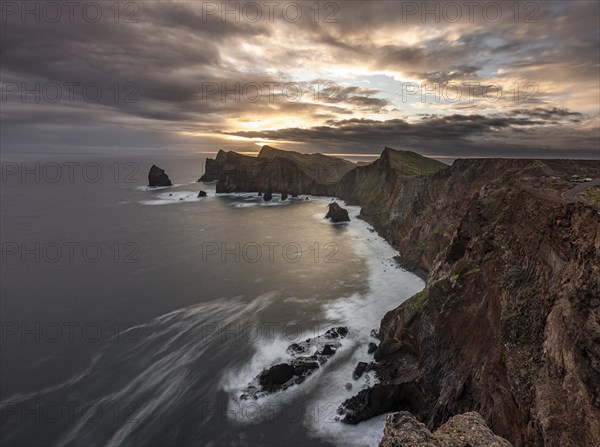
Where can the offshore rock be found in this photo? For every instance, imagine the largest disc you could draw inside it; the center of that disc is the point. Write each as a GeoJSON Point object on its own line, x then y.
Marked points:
{"type": "Point", "coordinates": [337, 214]}
{"type": "Point", "coordinates": [283, 171]}
{"type": "Point", "coordinates": [158, 177]}
{"type": "Point", "coordinates": [307, 357]}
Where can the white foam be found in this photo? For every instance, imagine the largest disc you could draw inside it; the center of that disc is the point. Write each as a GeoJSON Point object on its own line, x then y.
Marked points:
{"type": "Point", "coordinates": [168, 198]}
{"type": "Point", "coordinates": [388, 287]}
{"type": "Point", "coordinates": [155, 188]}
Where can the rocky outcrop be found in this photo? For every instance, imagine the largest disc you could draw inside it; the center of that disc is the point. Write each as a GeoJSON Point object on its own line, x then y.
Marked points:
{"type": "Point", "coordinates": [466, 430]}
{"type": "Point", "coordinates": [201, 194]}
{"type": "Point", "coordinates": [283, 172]}
{"type": "Point", "coordinates": [509, 322]}
{"type": "Point", "coordinates": [306, 358]}
{"type": "Point", "coordinates": [212, 169]}
{"type": "Point", "coordinates": [268, 196]}
{"type": "Point", "coordinates": [337, 214]}
{"type": "Point", "coordinates": [158, 177]}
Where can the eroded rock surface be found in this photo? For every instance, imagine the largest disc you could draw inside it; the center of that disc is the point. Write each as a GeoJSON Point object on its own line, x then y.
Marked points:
{"type": "Point", "coordinates": [465, 430]}
{"type": "Point", "coordinates": [509, 322]}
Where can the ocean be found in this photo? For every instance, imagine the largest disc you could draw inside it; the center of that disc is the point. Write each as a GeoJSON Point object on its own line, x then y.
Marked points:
{"type": "Point", "coordinates": [135, 316]}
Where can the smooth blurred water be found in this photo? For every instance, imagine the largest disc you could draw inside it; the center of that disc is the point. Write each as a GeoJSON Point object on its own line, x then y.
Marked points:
{"type": "Point", "coordinates": [151, 343]}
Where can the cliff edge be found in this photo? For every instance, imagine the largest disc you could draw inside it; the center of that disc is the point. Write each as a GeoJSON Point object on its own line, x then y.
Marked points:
{"type": "Point", "coordinates": [508, 324]}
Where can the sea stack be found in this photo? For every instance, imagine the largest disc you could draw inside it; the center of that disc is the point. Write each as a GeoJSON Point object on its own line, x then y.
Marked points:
{"type": "Point", "coordinates": [158, 177]}
{"type": "Point", "coordinates": [337, 214]}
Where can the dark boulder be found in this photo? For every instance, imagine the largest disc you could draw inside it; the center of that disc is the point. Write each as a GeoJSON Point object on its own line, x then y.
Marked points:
{"type": "Point", "coordinates": [372, 348]}
{"type": "Point", "coordinates": [281, 377]}
{"type": "Point", "coordinates": [359, 370]}
{"type": "Point", "coordinates": [303, 366]}
{"type": "Point", "coordinates": [382, 398]}
{"type": "Point", "coordinates": [284, 196]}
{"type": "Point", "coordinates": [267, 196]}
{"type": "Point", "coordinates": [158, 177]}
{"type": "Point", "coordinates": [337, 214]}
{"type": "Point", "coordinates": [202, 194]}
{"type": "Point", "coordinates": [327, 351]}
{"type": "Point", "coordinates": [276, 376]}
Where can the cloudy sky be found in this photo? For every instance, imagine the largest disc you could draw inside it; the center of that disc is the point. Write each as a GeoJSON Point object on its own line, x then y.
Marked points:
{"type": "Point", "coordinates": [446, 79]}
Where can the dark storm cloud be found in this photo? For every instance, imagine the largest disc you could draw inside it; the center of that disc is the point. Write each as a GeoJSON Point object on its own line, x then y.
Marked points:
{"type": "Point", "coordinates": [363, 130]}
{"type": "Point", "coordinates": [455, 135]}
{"type": "Point", "coordinates": [173, 52]}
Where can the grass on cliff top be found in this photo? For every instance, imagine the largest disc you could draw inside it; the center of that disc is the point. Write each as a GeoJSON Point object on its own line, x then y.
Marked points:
{"type": "Point", "coordinates": [591, 196]}
{"type": "Point", "coordinates": [411, 163]}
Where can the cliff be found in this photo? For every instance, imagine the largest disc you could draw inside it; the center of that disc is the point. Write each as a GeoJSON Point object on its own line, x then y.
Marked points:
{"type": "Point", "coordinates": [508, 324]}
{"type": "Point", "coordinates": [276, 171]}
{"type": "Point", "coordinates": [403, 429]}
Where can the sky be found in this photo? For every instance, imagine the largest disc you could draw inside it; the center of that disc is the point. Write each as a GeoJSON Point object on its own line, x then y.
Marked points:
{"type": "Point", "coordinates": [445, 79]}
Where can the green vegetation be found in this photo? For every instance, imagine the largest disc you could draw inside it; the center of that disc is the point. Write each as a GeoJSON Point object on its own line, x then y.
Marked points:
{"type": "Point", "coordinates": [591, 196]}
{"type": "Point", "coordinates": [411, 163]}
{"type": "Point", "coordinates": [417, 301]}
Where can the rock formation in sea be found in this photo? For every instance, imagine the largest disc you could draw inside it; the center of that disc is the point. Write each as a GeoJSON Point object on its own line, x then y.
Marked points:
{"type": "Point", "coordinates": [336, 213]}
{"type": "Point", "coordinates": [283, 172]}
{"type": "Point", "coordinates": [158, 177]}
{"type": "Point", "coordinates": [305, 358]}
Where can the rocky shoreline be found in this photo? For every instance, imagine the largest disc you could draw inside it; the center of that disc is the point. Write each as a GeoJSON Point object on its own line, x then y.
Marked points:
{"type": "Point", "coordinates": [508, 324]}
{"type": "Point", "coordinates": [307, 357]}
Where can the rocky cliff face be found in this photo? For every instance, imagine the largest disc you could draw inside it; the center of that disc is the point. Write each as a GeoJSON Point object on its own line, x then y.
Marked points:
{"type": "Point", "coordinates": [465, 430]}
{"type": "Point", "coordinates": [276, 171]}
{"type": "Point", "coordinates": [508, 325]}
{"type": "Point", "coordinates": [509, 322]}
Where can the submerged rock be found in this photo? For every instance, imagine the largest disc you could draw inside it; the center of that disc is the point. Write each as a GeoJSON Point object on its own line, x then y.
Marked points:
{"type": "Point", "coordinates": [359, 370]}
{"type": "Point", "coordinates": [337, 214]}
{"type": "Point", "coordinates": [158, 177]}
{"type": "Point", "coordinates": [303, 364]}
{"type": "Point", "coordinates": [276, 376]}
